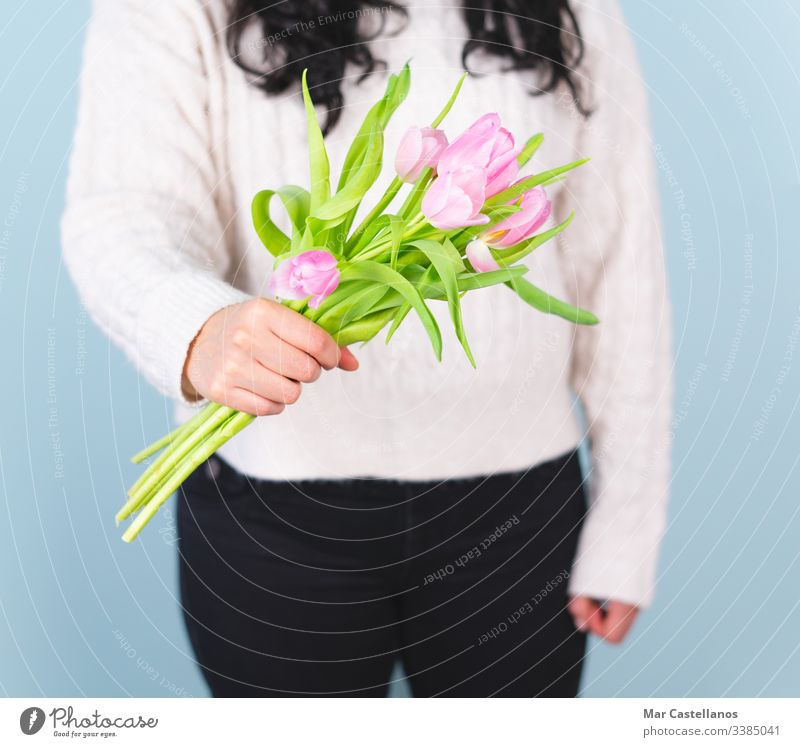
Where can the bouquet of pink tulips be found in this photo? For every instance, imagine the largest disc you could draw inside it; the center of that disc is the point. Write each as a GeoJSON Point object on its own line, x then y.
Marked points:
{"type": "Point", "coordinates": [467, 220]}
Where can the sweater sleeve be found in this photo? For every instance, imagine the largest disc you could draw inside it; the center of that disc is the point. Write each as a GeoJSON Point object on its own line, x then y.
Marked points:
{"type": "Point", "coordinates": [142, 233]}
{"type": "Point", "coordinates": [621, 368]}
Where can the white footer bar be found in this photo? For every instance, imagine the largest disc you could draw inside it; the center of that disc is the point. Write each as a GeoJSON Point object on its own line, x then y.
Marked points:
{"type": "Point", "coordinates": [399, 722]}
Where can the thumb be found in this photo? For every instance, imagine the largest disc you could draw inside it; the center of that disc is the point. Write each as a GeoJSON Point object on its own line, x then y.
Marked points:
{"type": "Point", "coordinates": [618, 621]}
{"type": "Point", "coordinates": [347, 361]}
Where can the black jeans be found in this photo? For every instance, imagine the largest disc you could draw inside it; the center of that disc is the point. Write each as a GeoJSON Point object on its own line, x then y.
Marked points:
{"type": "Point", "coordinates": [317, 587]}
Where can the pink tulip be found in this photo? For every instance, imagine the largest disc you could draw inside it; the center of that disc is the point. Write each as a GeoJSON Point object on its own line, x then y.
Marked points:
{"type": "Point", "coordinates": [455, 198]}
{"type": "Point", "coordinates": [535, 210]}
{"type": "Point", "coordinates": [480, 257]}
{"type": "Point", "coordinates": [484, 145]}
{"type": "Point", "coordinates": [418, 149]}
{"type": "Point", "coordinates": [312, 273]}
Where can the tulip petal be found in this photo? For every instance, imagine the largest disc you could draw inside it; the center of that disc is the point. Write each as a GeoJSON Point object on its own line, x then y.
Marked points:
{"type": "Point", "coordinates": [312, 273]}
{"type": "Point", "coordinates": [408, 152]}
{"type": "Point", "coordinates": [455, 199]}
{"type": "Point", "coordinates": [435, 198]}
{"type": "Point", "coordinates": [534, 210]}
{"type": "Point", "coordinates": [418, 149]}
{"type": "Point", "coordinates": [473, 147]}
{"type": "Point", "coordinates": [331, 285]}
{"type": "Point", "coordinates": [480, 257]}
{"type": "Point", "coordinates": [502, 172]}
{"type": "Point", "coordinates": [473, 183]}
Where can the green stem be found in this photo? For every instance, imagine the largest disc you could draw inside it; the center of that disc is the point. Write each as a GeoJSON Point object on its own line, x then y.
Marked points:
{"type": "Point", "coordinates": [205, 449]}
{"type": "Point", "coordinates": [409, 204]}
{"type": "Point", "coordinates": [365, 328]}
{"type": "Point", "coordinates": [449, 105]}
{"type": "Point", "coordinates": [179, 446]}
{"type": "Point", "coordinates": [142, 497]}
{"type": "Point", "coordinates": [375, 250]}
{"type": "Point", "coordinates": [160, 444]}
{"type": "Point", "coordinates": [175, 436]}
{"type": "Point", "coordinates": [415, 223]}
{"type": "Point", "coordinates": [382, 204]}
{"type": "Point", "coordinates": [413, 197]}
{"type": "Point", "coordinates": [156, 473]}
{"type": "Point", "coordinates": [183, 432]}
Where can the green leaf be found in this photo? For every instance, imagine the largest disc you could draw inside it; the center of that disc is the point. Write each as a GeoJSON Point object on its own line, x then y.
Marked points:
{"type": "Point", "coordinates": [540, 300]}
{"type": "Point", "coordinates": [447, 262]}
{"type": "Point", "coordinates": [363, 163]}
{"type": "Point", "coordinates": [385, 275]}
{"type": "Point", "coordinates": [335, 240]}
{"type": "Point", "coordinates": [449, 105]}
{"type": "Point", "coordinates": [530, 148]}
{"type": "Point", "coordinates": [349, 197]}
{"type": "Point", "coordinates": [402, 313]}
{"type": "Point", "coordinates": [530, 182]}
{"type": "Point", "coordinates": [409, 256]}
{"type": "Point", "coordinates": [355, 154]}
{"type": "Point", "coordinates": [422, 278]}
{"type": "Point", "coordinates": [474, 280]}
{"type": "Point", "coordinates": [413, 201]}
{"type": "Point", "coordinates": [396, 91]}
{"type": "Point", "coordinates": [423, 281]}
{"type": "Point", "coordinates": [296, 202]}
{"type": "Point", "coordinates": [318, 156]}
{"type": "Point", "coordinates": [439, 252]}
{"type": "Point", "coordinates": [352, 308]}
{"type": "Point", "coordinates": [396, 225]}
{"type": "Point", "coordinates": [398, 96]}
{"type": "Point", "coordinates": [275, 240]}
{"type": "Point", "coordinates": [377, 210]}
{"type": "Point", "coordinates": [373, 232]}
{"type": "Point", "coordinates": [344, 290]}
{"type": "Point", "coordinates": [513, 254]}
{"type": "Point", "coordinates": [365, 328]}
{"type": "Point", "coordinates": [308, 241]}
{"type": "Point", "coordinates": [370, 161]}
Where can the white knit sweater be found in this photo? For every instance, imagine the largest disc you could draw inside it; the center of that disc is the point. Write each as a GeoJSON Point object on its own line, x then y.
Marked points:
{"type": "Point", "coordinates": [172, 143]}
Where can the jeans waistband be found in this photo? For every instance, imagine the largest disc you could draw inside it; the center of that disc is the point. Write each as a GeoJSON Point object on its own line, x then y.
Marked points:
{"type": "Point", "coordinates": [220, 471]}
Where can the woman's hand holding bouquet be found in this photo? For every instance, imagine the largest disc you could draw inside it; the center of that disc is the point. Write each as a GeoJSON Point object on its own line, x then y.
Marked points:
{"type": "Point", "coordinates": [256, 355]}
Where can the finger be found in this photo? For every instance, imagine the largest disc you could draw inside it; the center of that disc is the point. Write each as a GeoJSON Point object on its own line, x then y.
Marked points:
{"type": "Point", "coordinates": [252, 403]}
{"type": "Point", "coordinates": [594, 618]}
{"type": "Point", "coordinates": [618, 620]}
{"type": "Point", "coordinates": [595, 622]}
{"type": "Point", "coordinates": [267, 383]}
{"type": "Point", "coordinates": [285, 359]}
{"type": "Point", "coordinates": [584, 613]}
{"type": "Point", "coordinates": [295, 329]}
{"type": "Point", "coordinates": [347, 361]}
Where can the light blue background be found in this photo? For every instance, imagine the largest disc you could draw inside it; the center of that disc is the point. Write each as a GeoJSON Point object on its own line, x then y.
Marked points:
{"type": "Point", "coordinates": [83, 614]}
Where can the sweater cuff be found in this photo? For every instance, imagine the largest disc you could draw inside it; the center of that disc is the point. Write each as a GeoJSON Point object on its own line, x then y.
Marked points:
{"type": "Point", "coordinates": [620, 571]}
{"type": "Point", "coordinates": [171, 318]}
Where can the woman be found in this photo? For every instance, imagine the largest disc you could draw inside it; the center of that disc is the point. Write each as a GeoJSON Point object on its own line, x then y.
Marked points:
{"type": "Point", "coordinates": [396, 509]}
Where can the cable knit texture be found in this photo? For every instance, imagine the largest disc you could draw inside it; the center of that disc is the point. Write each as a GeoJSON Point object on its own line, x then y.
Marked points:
{"type": "Point", "coordinates": [172, 142]}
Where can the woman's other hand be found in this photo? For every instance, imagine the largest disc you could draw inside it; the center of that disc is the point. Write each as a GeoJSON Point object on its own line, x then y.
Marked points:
{"type": "Point", "coordinates": [611, 623]}
{"type": "Point", "coordinates": [255, 356]}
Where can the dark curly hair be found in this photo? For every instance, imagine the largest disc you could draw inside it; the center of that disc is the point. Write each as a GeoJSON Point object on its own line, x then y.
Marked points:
{"type": "Point", "coordinates": [324, 35]}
